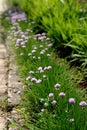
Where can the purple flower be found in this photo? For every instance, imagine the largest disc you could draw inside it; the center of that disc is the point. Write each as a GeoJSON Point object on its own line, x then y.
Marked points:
{"type": "Point", "coordinates": [42, 52]}
{"type": "Point", "coordinates": [39, 68]}
{"type": "Point", "coordinates": [82, 103]}
{"type": "Point", "coordinates": [62, 94]}
{"type": "Point", "coordinates": [19, 92]}
{"type": "Point", "coordinates": [38, 81]}
{"type": "Point", "coordinates": [41, 71]}
{"type": "Point", "coordinates": [33, 80]}
{"type": "Point", "coordinates": [43, 110]}
{"type": "Point", "coordinates": [44, 76]}
{"type": "Point", "coordinates": [71, 100]}
{"type": "Point", "coordinates": [40, 38]}
{"type": "Point", "coordinates": [28, 78]}
{"type": "Point", "coordinates": [33, 51]}
{"type": "Point", "coordinates": [23, 46]}
{"type": "Point", "coordinates": [45, 68]}
{"type": "Point", "coordinates": [51, 95]}
{"type": "Point", "coordinates": [49, 67]}
{"type": "Point", "coordinates": [31, 72]}
{"type": "Point", "coordinates": [57, 86]}
{"type": "Point", "coordinates": [23, 36]}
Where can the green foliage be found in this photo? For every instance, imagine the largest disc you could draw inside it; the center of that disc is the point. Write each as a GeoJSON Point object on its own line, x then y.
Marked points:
{"type": "Point", "coordinates": [64, 22]}
{"type": "Point", "coordinates": [36, 96]}
{"type": "Point", "coordinates": [65, 25]}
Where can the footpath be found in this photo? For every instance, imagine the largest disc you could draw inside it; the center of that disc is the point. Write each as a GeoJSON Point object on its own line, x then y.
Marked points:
{"type": "Point", "coordinates": [10, 85]}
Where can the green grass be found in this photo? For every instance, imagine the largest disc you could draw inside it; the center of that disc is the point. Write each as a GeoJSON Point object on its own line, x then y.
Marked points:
{"type": "Point", "coordinates": [68, 34]}
{"type": "Point", "coordinates": [36, 96]}
{"type": "Point", "coordinates": [64, 22]}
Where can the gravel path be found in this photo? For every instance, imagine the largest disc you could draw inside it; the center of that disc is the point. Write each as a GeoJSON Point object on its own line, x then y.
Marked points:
{"type": "Point", "coordinates": [3, 78]}
{"type": "Point", "coordinates": [10, 85]}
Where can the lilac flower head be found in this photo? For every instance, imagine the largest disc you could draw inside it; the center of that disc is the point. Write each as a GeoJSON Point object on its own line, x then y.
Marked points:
{"type": "Point", "coordinates": [62, 94]}
{"type": "Point", "coordinates": [42, 52]}
{"type": "Point", "coordinates": [57, 86]}
{"type": "Point", "coordinates": [45, 68]}
{"type": "Point", "coordinates": [28, 78]}
{"type": "Point", "coordinates": [40, 38]}
{"type": "Point", "coordinates": [43, 110]}
{"type": "Point", "coordinates": [41, 71]}
{"type": "Point", "coordinates": [49, 67]}
{"type": "Point", "coordinates": [23, 36]}
{"type": "Point", "coordinates": [82, 103]}
{"type": "Point", "coordinates": [33, 80]}
{"type": "Point", "coordinates": [19, 92]}
{"type": "Point", "coordinates": [51, 95]}
{"type": "Point", "coordinates": [23, 46]}
{"type": "Point", "coordinates": [71, 100]}
{"type": "Point", "coordinates": [39, 68]}
{"type": "Point", "coordinates": [18, 41]}
{"type": "Point", "coordinates": [31, 72]}
{"type": "Point", "coordinates": [38, 81]}
{"type": "Point", "coordinates": [44, 76]}
{"type": "Point", "coordinates": [33, 51]}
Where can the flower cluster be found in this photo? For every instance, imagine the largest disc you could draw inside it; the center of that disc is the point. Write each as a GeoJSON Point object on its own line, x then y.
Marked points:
{"type": "Point", "coordinates": [16, 15]}
{"type": "Point", "coordinates": [39, 74]}
{"type": "Point", "coordinates": [51, 100]}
